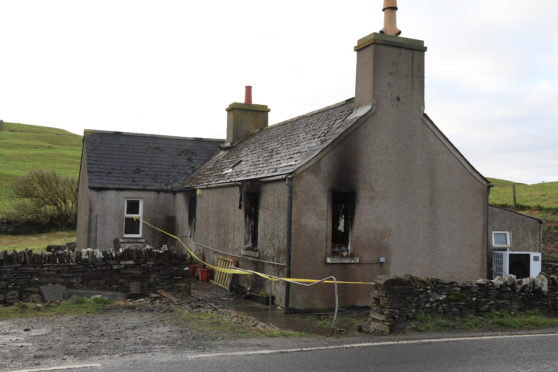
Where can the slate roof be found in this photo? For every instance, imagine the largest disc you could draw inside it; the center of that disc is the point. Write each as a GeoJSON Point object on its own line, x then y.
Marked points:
{"type": "Point", "coordinates": [279, 149]}
{"type": "Point", "coordinates": [119, 160]}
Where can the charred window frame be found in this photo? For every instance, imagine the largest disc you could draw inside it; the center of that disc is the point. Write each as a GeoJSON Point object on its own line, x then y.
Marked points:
{"type": "Point", "coordinates": [342, 219]}
{"type": "Point", "coordinates": [251, 214]}
{"type": "Point", "coordinates": [133, 211]}
{"type": "Point", "coordinates": [192, 206]}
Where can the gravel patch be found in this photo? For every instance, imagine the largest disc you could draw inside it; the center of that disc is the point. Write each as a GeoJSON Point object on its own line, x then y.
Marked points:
{"type": "Point", "coordinates": [131, 327]}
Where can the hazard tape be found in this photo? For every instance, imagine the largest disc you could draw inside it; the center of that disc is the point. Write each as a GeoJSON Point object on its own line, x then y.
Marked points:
{"type": "Point", "coordinates": [239, 271]}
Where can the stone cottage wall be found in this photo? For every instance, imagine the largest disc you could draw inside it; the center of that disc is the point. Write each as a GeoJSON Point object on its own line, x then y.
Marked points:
{"type": "Point", "coordinates": [130, 271]}
{"type": "Point", "coordinates": [395, 301]}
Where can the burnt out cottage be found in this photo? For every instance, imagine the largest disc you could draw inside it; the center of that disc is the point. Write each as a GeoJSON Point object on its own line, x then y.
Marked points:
{"type": "Point", "coordinates": [363, 187]}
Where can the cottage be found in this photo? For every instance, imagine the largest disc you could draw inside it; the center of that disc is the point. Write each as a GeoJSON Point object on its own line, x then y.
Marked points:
{"type": "Point", "coordinates": [125, 175]}
{"type": "Point", "coordinates": [363, 187]}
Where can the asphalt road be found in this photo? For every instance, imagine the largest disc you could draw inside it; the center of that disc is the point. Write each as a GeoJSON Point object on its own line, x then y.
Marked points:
{"type": "Point", "coordinates": [505, 352]}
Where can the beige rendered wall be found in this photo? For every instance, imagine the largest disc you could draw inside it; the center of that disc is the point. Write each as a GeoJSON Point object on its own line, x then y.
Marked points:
{"type": "Point", "coordinates": [108, 206]}
{"type": "Point", "coordinates": [419, 204]}
{"type": "Point", "coordinates": [416, 205]}
{"type": "Point", "coordinates": [220, 225]}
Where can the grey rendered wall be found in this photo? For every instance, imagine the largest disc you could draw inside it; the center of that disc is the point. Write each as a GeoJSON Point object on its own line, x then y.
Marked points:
{"type": "Point", "coordinates": [220, 225]}
{"type": "Point", "coordinates": [417, 203]}
{"type": "Point", "coordinates": [83, 206]}
{"type": "Point", "coordinates": [181, 213]}
{"type": "Point", "coordinates": [525, 232]}
{"type": "Point", "coordinates": [108, 206]}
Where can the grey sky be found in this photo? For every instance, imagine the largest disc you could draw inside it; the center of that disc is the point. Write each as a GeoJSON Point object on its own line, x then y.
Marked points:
{"type": "Point", "coordinates": [172, 67]}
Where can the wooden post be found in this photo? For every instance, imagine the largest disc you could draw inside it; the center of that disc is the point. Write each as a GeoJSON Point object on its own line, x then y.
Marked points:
{"type": "Point", "coordinates": [514, 198]}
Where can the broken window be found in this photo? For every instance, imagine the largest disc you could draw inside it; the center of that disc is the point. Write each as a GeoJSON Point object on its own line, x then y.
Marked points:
{"type": "Point", "coordinates": [192, 203]}
{"type": "Point", "coordinates": [251, 206]}
{"type": "Point", "coordinates": [133, 209]}
{"type": "Point", "coordinates": [343, 211]}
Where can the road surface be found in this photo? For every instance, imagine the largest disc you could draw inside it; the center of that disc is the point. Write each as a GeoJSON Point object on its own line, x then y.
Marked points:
{"type": "Point", "coordinates": [496, 352]}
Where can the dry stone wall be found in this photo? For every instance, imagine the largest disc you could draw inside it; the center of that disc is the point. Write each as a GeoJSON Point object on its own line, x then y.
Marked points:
{"type": "Point", "coordinates": [395, 301]}
{"type": "Point", "coordinates": [135, 271]}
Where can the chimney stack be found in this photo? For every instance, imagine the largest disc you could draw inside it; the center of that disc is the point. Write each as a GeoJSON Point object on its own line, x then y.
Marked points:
{"type": "Point", "coordinates": [390, 69]}
{"type": "Point", "coordinates": [246, 118]}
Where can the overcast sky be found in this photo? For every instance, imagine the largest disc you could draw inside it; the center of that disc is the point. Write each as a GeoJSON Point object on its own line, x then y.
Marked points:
{"type": "Point", "coordinates": [172, 67]}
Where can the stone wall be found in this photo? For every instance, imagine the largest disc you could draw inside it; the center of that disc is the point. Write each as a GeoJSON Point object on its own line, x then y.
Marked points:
{"type": "Point", "coordinates": [130, 271]}
{"type": "Point", "coordinates": [395, 301]}
{"type": "Point", "coordinates": [550, 266]}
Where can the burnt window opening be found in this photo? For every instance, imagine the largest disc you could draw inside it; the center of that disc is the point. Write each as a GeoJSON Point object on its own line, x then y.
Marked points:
{"type": "Point", "coordinates": [192, 204]}
{"type": "Point", "coordinates": [343, 211]}
{"type": "Point", "coordinates": [251, 207]}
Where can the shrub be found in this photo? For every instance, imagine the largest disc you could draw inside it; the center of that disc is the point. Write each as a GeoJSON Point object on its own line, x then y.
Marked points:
{"type": "Point", "coordinates": [46, 199]}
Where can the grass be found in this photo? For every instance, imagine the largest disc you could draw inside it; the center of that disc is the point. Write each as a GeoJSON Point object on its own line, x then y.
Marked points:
{"type": "Point", "coordinates": [539, 200]}
{"type": "Point", "coordinates": [543, 194]}
{"type": "Point", "coordinates": [220, 325]}
{"type": "Point", "coordinates": [346, 322]}
{"type": "Point", "coordinates": [24, 148]}
{"type": "Point", "coordinates": [492, 321]}
{"type": "Point", "coordinates": [36, 242]}
{"type": "Point", "coordinates": [75, 306]}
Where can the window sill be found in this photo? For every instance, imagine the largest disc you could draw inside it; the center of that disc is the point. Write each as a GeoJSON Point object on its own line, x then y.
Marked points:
{"type": "Point", "coordinates": [250, 253]}
{"type": "Point", "coordinates": [342, 260]}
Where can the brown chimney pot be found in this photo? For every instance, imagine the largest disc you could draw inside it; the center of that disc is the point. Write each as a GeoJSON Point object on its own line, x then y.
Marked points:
{"type": "Point", "coordinates": [248, 95]}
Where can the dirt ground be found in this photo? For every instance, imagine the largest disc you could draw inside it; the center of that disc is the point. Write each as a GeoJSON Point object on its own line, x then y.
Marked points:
{"type": "Point", "coordinates": [137, 327]}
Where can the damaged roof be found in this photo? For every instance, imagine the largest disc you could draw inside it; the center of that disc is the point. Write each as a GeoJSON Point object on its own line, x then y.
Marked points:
{"type": "Point", "coordinates": [120, 160]}
{"type": "Point", "coordinates": [279, 149]}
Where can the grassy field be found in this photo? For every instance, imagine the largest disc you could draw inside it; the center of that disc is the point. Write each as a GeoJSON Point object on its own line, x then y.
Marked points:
{"type": "Point", "coordinates": [540, 194]}
{"type": "Point", "coordinates": [24, 148]}
{"type": "Point", "coordinates": [539, 200]}
{"type": "Point", "coordinates": [36, 242]}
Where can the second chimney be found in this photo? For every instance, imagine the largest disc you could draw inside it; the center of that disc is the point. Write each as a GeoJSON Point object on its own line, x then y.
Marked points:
{"type": "Point", "coordinates": [245, 118]}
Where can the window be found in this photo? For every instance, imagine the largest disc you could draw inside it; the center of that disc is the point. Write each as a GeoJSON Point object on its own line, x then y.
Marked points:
{"type": "Point", "coordinates": [192, 202]}
{"type": "Point", "coordinates": [501, 239]}
{"type": "Point", "coordinates": [132, 208]}
{"type": "Point", "coordinates": [251, 206]}
{"type": "Point", "coordinates": [343, 211]}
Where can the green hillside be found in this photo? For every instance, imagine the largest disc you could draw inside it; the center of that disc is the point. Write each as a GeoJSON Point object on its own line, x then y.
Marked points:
{"type": "Point", "coordinates": [24, 148]}
{"type": "Point", "coordinates": [538, 200]}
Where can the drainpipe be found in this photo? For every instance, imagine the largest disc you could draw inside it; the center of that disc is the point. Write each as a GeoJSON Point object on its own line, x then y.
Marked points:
{"type": "Point", "coordinates": [289, 237]}
{"type": "Point", "coordinates": [489, 272]}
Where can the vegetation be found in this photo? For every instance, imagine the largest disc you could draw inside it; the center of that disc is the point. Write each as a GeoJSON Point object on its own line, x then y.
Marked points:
{"type": "Point", "coordinates": [24, 148]}
{"type": "Point", "coordinates": [346, 322]}
{"type": "Point", "coordinates": [538, 200]}
{"type": "Point", "coordinates": [227, 325]}
{"type": "Point", "coordinates": [36, 242]}
{"type": "Point", "coordinates": [491, 321]}
{"type": "Point", "coordinates": [75, 306]}
{"type": "Point", "coordinates": [44, 198]}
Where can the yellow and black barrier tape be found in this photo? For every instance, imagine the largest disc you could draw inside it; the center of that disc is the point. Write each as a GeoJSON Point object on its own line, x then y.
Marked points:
{"type": "Point", "coordinates": [246, 272]}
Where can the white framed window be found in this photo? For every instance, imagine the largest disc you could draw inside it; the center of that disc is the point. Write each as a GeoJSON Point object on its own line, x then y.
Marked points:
{"type": "Point", "coordinates": [133, 227]}
{"type": "Point", "coordinates": [501, 239]}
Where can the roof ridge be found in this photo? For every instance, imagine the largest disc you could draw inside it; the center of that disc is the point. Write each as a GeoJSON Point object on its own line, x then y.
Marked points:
{"type": "Point", "coordinates": [288, 121]}
{"type": "Point", "coordinates": [95, 131]}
